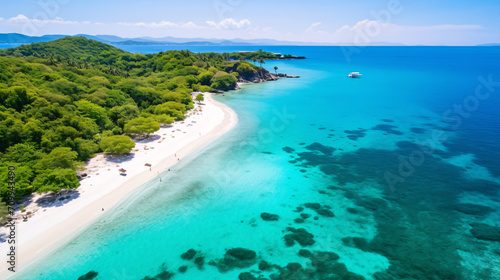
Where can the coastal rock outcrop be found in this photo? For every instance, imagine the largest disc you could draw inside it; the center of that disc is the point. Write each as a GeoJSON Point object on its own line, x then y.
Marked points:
{"type": "Point", "coordinates": [251, 76]}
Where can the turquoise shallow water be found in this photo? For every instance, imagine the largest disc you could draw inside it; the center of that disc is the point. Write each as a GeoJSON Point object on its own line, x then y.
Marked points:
{"type": "Point", "coordinates": [329, 140]}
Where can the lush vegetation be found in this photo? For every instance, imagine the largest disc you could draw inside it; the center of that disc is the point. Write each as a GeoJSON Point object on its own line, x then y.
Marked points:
{"type": "Point", "coordinates": [254, 56]}
{"type": "Point", "coordinates": [63, 101]}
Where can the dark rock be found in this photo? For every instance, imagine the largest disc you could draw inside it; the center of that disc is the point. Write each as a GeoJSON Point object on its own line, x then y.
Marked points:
{"type": "Point", "coordinates": [316, 218]}
{"type": "Point", "coordinates": [288, 149]}
{"type": "Point", "coordinates": [325, 212]}
{"type": "Point", "coordinates": [305, 253]}
{"type": "Point", "coordinates": [485, 232]}
{"type": "Point", "coordinates": [388, 128]}
{"type": "Point", "coordinates": [372, 204]}
{"type": "Point", "coordinates": [269, 217]}
{"type": "Point", "coordinates": [321, 148]}
{"type": "Point", "coordinates": [299, 221]}
{"type": "Point", "coordinates": [417, 130]}
{"type": "Point", "coordinates": [183, 268]}
{"type": "Point", "coordinates": [301, 235]}
{"type": "Point", "coordinates": [355, 134]}
{"type": "Point", "coordinates": [235, 258]}
{"type": "Point", "coordinates": [303, 170]}
{"type": "Point", "coordinates": [356, 242]}
{"type": "Point", "coordinates": [293, 266]}
{"type": "Point", "coordinates": [199, 261]}
{"type": "Point", "coordinates": [473, 209]}
{"type": "Point", "coordinates": [263, 265]}
{"type": "Point", "coordinates": [299, 209]}
{"type": "Point", "coordinates": [497, 251]}
{"type": "Point", "coordinates": [259, 76]}
{"type": "Point", "coordinates": [352, 210]}
{"type": "Point", "coordinates": [164, 275]}
{"type": "Point", "coordinates": [246, 276]}
{"type": "Point", "coordinates": [241, 253]}
{"type": "Point", "coordinates": [305, 216]}
{"type": "Point", "coordinates": [89, 275]}
{"type": "Point", "coordinates": [313, 206]}
{"type": "Point", "coordinates": [189, 255]}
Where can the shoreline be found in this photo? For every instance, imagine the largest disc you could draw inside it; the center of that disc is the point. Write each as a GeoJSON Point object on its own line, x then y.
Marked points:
{"type": "Point", "coordinates": [54, 225]}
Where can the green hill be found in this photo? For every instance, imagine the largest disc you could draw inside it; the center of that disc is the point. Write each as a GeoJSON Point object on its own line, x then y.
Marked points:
{"type": "Point", "coordinates": [67, 47]}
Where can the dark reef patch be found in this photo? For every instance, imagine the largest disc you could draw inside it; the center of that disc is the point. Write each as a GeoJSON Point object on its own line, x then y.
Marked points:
{"type": "Point", "coordinates": [321, 148]}
{"type": "Point", "coordinates": [163, 275]}
{"type": "Point", "coordinates": [300, 235]}
{"type": "Point", "coordinates": [235, 258]}
{"type": "Point", "coordinates": [419, 220]}
{"type": "Point", "coordinates": [417, 130]}
{"type": "Point", "coordinates": [269, 217]}
{"type": "Point", "coordinates": [473, 209]}
{"type": "Point", "coordinates": [355, 134]}
{"type": "Point", "coordinates": [89, 275]}
{"type": "Point", "coordinates": [304, 215]}
{"type": "Point", "coordinates": [188, 255]}
{"type": "Point", "coordinates": [312, 205]}
{"type": "Point", "coordinates": [199, 261]}
{"type": "Point", "coordinates": [387, 120]}
{"type": "Point", "coordinates": [288, 149]}
{"type": "Point", "coordinates": [387, 128]}
{"type": "Point", "coordinates": [485, 232]}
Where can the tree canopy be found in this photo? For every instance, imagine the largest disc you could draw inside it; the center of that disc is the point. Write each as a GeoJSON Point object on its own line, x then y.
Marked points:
{"type": "Point", "coordinates": [57, 99]}
{"type": "Point", "coordinates": [142, 126]}
{"type": "Point", "coordinates": [117, 144]}
{"type": "Point", "coordinates": [200, 97]}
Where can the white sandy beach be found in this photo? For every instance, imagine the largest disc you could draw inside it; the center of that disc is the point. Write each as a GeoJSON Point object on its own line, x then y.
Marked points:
{"type": "Point", "coordinates": [56, 222]}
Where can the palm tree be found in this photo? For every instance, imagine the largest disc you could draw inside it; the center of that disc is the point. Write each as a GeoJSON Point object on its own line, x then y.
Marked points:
{"type": "Point", "coordinates": [254, 60]}
{"type": "Point", "coordinates": [276, 70]}
{"type": "Point", "coordinates": [262, 61]}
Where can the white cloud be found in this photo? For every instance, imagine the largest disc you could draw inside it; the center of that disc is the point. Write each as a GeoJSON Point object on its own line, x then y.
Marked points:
{"type": "Point", "coordinates": [22, 19]}
{"type": "Point", "coordinates": [367, 31]}
{"type": "Point", "coordinates": [161, 24]}
{"type": "Point", "coordinates": [314, 24]}
{"type": "Point", "coordinates": [190, 25]}
{"type": "Point", "coordinates": [230, 23]}
{"type": "Point", "coordinates": [312, 27]}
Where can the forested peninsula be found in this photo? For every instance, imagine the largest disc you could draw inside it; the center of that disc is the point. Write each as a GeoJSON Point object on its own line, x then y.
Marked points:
{"type": "Point", "coordinates": [63, 101]}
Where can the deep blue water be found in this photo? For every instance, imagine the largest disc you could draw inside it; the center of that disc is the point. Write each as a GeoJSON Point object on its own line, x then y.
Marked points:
{"type": "Point", "coordinates": [353, 162]}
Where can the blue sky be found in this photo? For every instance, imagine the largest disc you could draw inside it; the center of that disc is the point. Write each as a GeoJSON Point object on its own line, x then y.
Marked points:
{"type": "Point", "coordinates": [443, 22]}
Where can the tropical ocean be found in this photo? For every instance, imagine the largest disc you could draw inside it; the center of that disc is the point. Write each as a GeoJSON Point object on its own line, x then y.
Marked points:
{"type": "Point", "coordinates": [395, 175]}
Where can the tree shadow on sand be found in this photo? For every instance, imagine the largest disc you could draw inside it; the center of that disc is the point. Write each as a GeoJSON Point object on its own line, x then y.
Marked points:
{"type": "Point", "coordinates": [150, 139]}
{"type": "Point", "coordinates": [120, 158]}
{"type": "Point", "coordinates": [57, 199]}
{"type": "Point", "coordinates": [3, 237]}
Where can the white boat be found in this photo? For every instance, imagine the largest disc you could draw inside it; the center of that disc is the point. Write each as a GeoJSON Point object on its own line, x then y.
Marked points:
{"type": "Point", "coordinates": [354, 75]}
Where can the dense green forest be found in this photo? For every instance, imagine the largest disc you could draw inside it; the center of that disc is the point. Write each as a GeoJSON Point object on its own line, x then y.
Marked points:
{"type": "Point", "coordinates": [65, 100]}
